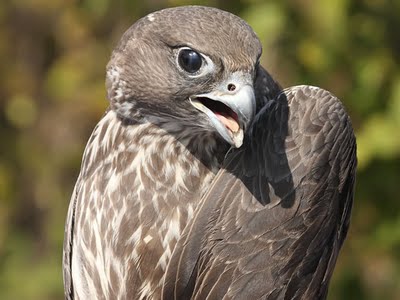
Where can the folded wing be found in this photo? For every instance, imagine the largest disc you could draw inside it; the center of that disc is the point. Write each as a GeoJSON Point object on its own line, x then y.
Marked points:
{"type": "Point", "coordinates": [273, 222]}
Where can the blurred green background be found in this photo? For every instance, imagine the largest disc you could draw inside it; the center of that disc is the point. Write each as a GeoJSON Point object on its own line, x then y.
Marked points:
{"type": "Point", "coordinates": [52, 65]}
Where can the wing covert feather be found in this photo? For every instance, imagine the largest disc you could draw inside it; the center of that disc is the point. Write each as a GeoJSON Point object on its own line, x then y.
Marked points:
{"type": "Point", "coordinates": [273, 222]}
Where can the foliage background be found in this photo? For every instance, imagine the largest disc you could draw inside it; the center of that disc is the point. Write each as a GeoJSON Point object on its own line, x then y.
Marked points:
{"type": "Point", "coordinates": [52, 60]}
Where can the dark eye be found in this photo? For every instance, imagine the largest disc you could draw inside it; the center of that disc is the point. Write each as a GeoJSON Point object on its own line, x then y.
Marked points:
{"type": "Point", "coordinates": [190, 60]}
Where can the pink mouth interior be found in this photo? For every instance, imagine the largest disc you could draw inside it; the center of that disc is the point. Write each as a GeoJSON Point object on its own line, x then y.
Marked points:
{"type": "Point", "coordinates": [224, 114]}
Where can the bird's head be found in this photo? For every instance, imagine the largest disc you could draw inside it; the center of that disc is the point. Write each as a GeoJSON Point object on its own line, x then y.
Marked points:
{"type": "Point", "coordinates": [192, 64]}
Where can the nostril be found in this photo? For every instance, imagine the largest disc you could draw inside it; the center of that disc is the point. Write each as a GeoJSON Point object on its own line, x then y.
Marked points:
{"type": "Point", "coordinates": [231, 87]}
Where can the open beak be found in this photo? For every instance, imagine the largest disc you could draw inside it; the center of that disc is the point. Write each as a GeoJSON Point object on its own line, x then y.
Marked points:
{"type": "Point", "coordinates": [230, 108]}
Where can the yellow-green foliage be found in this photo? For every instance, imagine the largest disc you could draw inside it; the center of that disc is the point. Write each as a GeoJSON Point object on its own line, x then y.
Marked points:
{"type": "Point", "coordinates": [52, 60]}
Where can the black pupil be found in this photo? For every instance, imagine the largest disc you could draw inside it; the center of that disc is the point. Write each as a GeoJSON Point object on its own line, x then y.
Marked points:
{"type": "Point", "coordinates": [190, 60]}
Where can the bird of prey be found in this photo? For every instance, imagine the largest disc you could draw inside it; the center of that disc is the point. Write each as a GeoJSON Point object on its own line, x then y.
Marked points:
{"type": "Point", "coordinates": [205, 179]}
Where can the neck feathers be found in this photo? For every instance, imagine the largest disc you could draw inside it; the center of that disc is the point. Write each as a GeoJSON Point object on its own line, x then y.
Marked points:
{"type": "Point", "coordinates": [157, 142]}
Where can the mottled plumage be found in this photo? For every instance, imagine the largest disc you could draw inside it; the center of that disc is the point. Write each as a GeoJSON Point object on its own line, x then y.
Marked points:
{"type": "Point", "coordinates": [207, 184]}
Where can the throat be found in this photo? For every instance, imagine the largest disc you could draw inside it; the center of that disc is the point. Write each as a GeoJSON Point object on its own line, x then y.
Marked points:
{"type": "Point", "coordinates": [207, 146]}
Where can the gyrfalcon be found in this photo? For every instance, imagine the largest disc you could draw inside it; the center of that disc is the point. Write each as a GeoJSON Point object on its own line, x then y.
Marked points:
{"type": "Point", "coordinates": [205, 179]}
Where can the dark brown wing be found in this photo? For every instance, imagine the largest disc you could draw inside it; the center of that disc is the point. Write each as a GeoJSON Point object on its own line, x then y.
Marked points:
{"type": "Point", "coordinates": [273, 222]}
{"type": "Point", "coordinates": [68, 240]}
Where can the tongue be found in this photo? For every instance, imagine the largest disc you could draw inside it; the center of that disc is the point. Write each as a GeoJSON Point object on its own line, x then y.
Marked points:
{"type": "Point", "coordinates": [229, 122]}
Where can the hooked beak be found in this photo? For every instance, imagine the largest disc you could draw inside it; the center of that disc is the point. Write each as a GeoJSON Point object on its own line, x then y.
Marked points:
{"type": "Point", "coordinates": [230, 107]}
